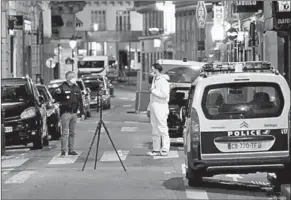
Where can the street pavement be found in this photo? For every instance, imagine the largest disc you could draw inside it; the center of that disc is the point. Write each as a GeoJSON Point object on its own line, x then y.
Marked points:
{"type": "Point", "coordinates": [43, 174]}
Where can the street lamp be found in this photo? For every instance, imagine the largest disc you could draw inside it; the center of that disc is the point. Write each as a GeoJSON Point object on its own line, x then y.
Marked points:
{"type": "Point", "coordinates": [73, 43]}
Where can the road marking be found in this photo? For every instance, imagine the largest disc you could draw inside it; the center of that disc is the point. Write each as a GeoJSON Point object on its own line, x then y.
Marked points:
{"type": "Point", "coordinates": [128, 129]}
{"type": "Point", "coordinates": [123, 98]}
{"type": "Point", "coordinates": [21, 177]}
{"type": "Point", "coordinates": [111, 156]}
{"type": "Point", "coordinates": [194, 193]}
{"type": "Point", "coordinates": [234, 177]}
{"type": "Point", "coordinates": [127, 106]}
{"type": "Point", "coordinates": [17, 150]}
{"type": "Point", "coordinates": [13, 162]}
{"type": "Point", "coordinates": [183, 169]}
{"type": "Point", "coordinates": [58, 160]}
{"type": "Point", "coordinates": [177, 140]}
{"type": "Point", "coordinates": [171, 154]}
{"type": "Point", "coordinates": [6, 171]}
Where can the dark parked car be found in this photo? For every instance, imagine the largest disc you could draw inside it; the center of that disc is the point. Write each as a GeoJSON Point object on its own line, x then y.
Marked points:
{"type": "Point", "coordinates": [55, 84]}
{"type": "Point", "coordinates": [53, 112]}
{"type": "Point", "coordinates": [2, 133]}
{"type": "Point", "coordinates": [25, 113]}
{"type": "Point", "coordinates": [96, 83]}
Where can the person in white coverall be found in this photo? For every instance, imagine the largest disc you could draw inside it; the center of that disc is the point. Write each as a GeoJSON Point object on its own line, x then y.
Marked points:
{"type": "Point", "coordinates": [159, 111]}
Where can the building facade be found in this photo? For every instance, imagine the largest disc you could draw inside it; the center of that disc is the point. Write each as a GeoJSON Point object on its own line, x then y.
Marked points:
{"type": "Point", "coordinates": [22, 38]}
{"type": "Point", "coordinates": [113, 29]}
{"type": "Point", "coordinates": [188, 34]}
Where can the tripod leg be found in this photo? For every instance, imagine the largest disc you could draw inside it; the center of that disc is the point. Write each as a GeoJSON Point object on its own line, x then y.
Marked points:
{"type": "Point", "coordinates": [97, 148]}
{"type": "Point", "coordinates": [96, 131]}
{"type": "Point", "coordinates": [107, 132]}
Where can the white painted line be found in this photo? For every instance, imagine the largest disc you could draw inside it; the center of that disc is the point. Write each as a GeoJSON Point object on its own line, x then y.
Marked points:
{"type": "Point", "coordinates": [183, 169]}
{"type": "Point", "coordinates": [171, 154]}
{"type": "Point", "coordinates": [128, 129]}
{"type": "Point", "coordinates": [6, 171]}
{"type": "Point", "coordinates": [18, 150]}
{"type": "Point", "coordinates": [59, 160]}
{"type": "Point", "coordinates": [196, 194]}
{"type": "Point", "coordinates": [13, 162]}
{"type": "Point", "coordinates": [111, 156]}
{"type": "Point", "coordinates": [127, 106]}
{"type": "Point", "coordinates": [139, 146]}
{"type": "Point", "coordinates": [177, 140]}
{"type": "Point", "coordinates": [123, 98]}
{"type": "Point", "coordinates": [21, 177]}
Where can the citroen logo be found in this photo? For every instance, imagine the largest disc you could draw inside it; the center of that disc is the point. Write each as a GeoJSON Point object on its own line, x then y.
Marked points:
{"type": "Point", "coordinates": [244, 125]}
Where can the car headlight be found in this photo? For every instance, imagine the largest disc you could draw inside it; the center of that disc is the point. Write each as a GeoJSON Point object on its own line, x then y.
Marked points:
{"type": "Point", "coordinates": [28, 113]}
{"type": "Point", "coordinates": [49, 112]}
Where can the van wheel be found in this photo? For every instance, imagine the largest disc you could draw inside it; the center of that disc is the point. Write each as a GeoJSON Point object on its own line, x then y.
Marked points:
{"type": "Point", "coordinates": [284, 176]}
{"type": "Point", "coordinates": [194, 177]}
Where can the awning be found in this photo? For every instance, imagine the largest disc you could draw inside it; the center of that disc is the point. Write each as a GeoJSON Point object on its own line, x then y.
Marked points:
{"type": "Point", "coordinates": [57, 21]}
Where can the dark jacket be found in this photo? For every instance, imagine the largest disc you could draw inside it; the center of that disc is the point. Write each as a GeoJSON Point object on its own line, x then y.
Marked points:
{"type": "Point", "coordinates": [70, 98]}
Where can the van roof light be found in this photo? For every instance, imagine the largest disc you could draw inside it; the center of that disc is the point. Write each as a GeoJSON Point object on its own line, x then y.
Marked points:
{"type": "Point", "coordinates": [237, 67]}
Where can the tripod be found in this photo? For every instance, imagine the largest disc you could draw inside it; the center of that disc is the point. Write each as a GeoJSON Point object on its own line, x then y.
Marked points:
{"type": "Point", "coordinates": [98, 131]}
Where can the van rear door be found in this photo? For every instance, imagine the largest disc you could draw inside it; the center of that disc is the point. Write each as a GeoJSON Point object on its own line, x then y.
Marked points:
{"type": "Point", "coordinates": [244, 120]}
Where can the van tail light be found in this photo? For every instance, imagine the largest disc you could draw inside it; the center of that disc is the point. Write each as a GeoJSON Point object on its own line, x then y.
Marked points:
{"type": "Point", "coordinates": [195, 126]}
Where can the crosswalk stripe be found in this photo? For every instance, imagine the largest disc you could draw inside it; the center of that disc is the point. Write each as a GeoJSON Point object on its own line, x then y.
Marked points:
{"type": "Point", "coordinates": [171, 154]}
{"type": "Point", "coordinates": [194, 193]}
{"type": "Point", "coordinates": [128, 129]}
{"type": "Point", "coordinates": [21, 177]}
{"type": "Point", "coordinates": [127, 106]}
{"type": "Point", "coordinates": [111, 156]}
{"type": "Point", "coordinates": [183, 169]}
{"type": "Point", "coordinates": [177, 140]}
{"type": "Point", "coordinates": [13, 162]}
{"type": "Point", "coordinates": [58, 160]}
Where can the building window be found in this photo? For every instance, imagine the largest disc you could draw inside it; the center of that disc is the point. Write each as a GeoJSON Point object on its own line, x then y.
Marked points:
{"type": "Point", "coordinates": [98, 20]}
{"type": "Point", "coordinates": [138, 57]}
{"type": "Point", "coordinates": [122, 20]}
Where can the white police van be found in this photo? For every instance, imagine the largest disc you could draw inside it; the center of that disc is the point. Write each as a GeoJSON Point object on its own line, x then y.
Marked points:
{"type": "Point", "coordinates": [238, 121]}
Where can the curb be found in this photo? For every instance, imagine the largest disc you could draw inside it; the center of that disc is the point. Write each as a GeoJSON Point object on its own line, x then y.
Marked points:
{"type": "Point", "coordinates": [285, 190]}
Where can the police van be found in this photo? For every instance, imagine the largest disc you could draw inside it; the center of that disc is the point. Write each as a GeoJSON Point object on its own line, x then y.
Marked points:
{"type": "Point", "coordinates": [238, 121]}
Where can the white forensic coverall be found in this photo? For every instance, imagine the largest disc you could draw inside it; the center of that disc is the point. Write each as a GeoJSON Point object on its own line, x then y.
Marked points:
{"type": "Point", "coordinates": [159, 111]}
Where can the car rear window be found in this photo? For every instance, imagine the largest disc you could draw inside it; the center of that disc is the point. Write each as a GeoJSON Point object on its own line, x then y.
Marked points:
{"type": "Point", "coordinates": [182, 74]}
{"type": "Point", "coordinates": [242, 101]}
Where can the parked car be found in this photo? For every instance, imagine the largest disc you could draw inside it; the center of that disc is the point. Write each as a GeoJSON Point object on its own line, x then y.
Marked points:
{"type": "Point", "coordinates": [238, 121]}
{"type": "Point", "coordinates": [55, 84]}
{"type": "Point", "coordinates": [53, 113]}
{"type": "Point", "coordinates": [97, 83]}
{"type": "Point", "coordinates": [3, 143]}
{"type": "Point", "coordinates": [25, 113]}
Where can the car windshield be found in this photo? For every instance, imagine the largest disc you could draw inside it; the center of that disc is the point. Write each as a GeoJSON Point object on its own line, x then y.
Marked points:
{"type": "Point", "coordinates": [242, 101]}
{"type": "Point", "coordinates": [91, 64]}
{"type": "Point", "coordinates": [182, 75]}
{"type": "Point", "coordinates": [14, 93]}
{"type": "Point", "coordinates": [43, 92]}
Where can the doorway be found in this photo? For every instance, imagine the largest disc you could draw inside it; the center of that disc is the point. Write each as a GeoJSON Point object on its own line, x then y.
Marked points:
{"type": "Point", "coordinates": [123, 61]}
{"type": "Point", "coordinates": [27, 67]}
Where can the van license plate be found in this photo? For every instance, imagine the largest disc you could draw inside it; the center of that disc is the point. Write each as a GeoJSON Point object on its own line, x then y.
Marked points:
{"type": "Point", "coordinates": [245, 146]}
{"type": "Point", "coordinates": [8, 129]}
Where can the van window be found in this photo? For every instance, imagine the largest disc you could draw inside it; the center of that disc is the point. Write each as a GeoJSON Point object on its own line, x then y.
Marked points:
{"type": "Point", "coordinates": [242, 101]}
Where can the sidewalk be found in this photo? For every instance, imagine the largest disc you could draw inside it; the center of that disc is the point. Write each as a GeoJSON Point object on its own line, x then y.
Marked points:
{"type": "Point", "coordinates": [126, 85]}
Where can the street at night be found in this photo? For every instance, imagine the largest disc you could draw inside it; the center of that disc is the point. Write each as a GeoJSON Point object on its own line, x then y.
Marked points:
{"type": "Point", "coordinates": [39, 174]}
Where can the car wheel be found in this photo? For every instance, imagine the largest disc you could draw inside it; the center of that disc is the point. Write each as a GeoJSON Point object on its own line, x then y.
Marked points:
{"type": "Point", "coordinates": [46, 137]}
{"type": "Point", "coordinates": [38, 140]}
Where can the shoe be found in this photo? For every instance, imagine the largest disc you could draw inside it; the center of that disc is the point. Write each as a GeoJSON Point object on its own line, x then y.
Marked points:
{"type": "Point", "coordinates": [63, 153]}
{"type": "Point", "coordinates": [164, 153]}
{"type": "Point", "coordinates": [72, 153]}
{"type": "Point", "coordinates": [153, 153]}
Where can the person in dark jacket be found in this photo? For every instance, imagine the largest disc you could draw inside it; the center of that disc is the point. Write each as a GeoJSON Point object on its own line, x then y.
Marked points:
{"type": "Point", "coordinates": [70, 97]}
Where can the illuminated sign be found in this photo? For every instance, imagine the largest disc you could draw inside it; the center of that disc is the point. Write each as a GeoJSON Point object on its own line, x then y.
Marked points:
{"type": "Point", "coordinates": [282, 15]}
{"type": "Point", "coordinates": [201, 14]}
{"type": "Point", "coordinates": [248, 6]}
{"type": "Point", "coordinates": [218, 15]}
{"type": "Point", "coordinates": [284, 6]}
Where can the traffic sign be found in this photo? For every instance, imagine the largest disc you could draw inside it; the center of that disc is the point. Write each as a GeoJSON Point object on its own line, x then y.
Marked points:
{"type": "Point", "coordinates": [201, 14]}
{"type": "Point", "coordinates": [232, 33]}
{"type": "Point", "coordinates": [50, 63]}
{"type": "Point", "coordinates": [69, 61]}
{"type": "Point", "coordinates": [58, 50]}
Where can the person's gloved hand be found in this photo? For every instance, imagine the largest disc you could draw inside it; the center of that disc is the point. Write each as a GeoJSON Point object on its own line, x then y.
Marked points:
{"type": "Point", "coordinates": [82, 117]}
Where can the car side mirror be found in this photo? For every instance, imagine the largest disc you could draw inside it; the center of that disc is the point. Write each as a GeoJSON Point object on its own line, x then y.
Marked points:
{"type": "Point", "coordinates": [41, 99]}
